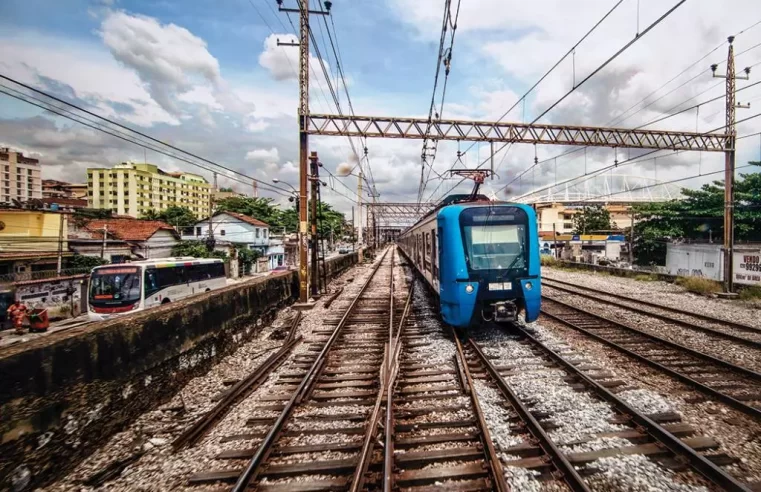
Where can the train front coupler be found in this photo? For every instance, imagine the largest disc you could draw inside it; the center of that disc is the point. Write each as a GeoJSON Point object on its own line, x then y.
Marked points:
{"type": "Point", "coordinates": [504, 311]}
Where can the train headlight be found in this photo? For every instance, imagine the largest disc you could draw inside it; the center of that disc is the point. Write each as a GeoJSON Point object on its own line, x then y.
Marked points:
{"type": "Point", "coordinates": [529, 286]}
{"type": "Point", "coordinates": [469, 289]}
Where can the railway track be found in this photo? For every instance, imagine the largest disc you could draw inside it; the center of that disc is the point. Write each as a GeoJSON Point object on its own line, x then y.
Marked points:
{"type": "Point", "coordinates": [727, 330]}
{"type": "Point", "coordinates": [733, 385]}
{"type": "Point", "coordinates": [324, 403]}
{"type": "Point", "coordinates": [440, 438]}
{"type": "Point", "coordinates": [659, 437]}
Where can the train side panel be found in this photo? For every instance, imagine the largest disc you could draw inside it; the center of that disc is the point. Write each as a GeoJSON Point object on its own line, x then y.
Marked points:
{"type": "Point", "coordinates": [457, 305]}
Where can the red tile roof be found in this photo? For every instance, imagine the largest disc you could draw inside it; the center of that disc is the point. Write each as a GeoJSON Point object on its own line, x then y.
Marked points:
{"type": "Point", "coordinates": [245, 218]}
{"type": "Point", "coordinates": [129, 229]}
{"type": "Point", "coordinates": [73, 202]}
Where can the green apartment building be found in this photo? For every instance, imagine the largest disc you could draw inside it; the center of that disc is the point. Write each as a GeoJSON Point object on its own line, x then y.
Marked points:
{"type": "Point", "coordinates": [133, 189]}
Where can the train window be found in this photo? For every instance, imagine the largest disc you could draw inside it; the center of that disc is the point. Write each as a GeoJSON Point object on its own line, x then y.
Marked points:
{"type": "Point", "coordinates": [434, 258]}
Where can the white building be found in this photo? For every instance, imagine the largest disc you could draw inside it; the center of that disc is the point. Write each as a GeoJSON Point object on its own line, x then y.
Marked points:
{"type": "Point", "coordinates": [20, 177]}
{"type": "Point", "coordinates": [234, 228]}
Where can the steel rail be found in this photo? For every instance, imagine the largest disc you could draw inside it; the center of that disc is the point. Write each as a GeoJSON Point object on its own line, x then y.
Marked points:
{"type": "Point", "coordinates": [495, 466]}
{"type": "Point", "coordinates": [266, 445]}
{"type": "Point", "coordinates": [704, 317]}
{"type": "Point", "coordinates": [389, 373]}
{"type": "Point", "coordinates": [724, 398]}
{"type": "Point", "coordinates": [560, 462]}
{"type": "Point", "coordinates": [196, 431]}
{"type": "Point", "coordinates": [388, 458]}
{"type": "Point", "coordinates": [686, 324]}
{"type": "Point", "coordinates": [721, 362]}
{"type": "Point", "coordinates": [699, 463]}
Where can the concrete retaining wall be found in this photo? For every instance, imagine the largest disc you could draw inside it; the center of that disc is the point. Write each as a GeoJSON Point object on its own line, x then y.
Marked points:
{"type": "Point", "coordinates": [64, 394]}
{"type": "Point", "coordinates": [621, 272]}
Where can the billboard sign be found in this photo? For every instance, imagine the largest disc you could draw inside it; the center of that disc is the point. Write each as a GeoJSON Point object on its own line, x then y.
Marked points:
{"type": "Point", "coordinates": [747, 266]}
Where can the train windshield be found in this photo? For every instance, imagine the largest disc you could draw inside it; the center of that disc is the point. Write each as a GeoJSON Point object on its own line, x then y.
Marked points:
{"type": "Point", "coordinates": [495, 238]}
{"type": "Point", "coordinates": [115, 286]}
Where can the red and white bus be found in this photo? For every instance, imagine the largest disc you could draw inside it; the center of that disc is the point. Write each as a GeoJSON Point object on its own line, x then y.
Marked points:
{"type": "Point", "coordinates": [131, 287]}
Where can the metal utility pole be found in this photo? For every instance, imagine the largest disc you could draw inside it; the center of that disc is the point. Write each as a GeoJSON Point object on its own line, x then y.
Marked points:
{"type": "Point", "coordinates": [103, 246]}
{"type": "Point", "coordinates": [359, 206]}
{"type": "Point", "coordinates": [729, 162]}
{"type": "Point", "coordinates": [255, 185]}
{"type": "Point", "coordinates": [631, 240]}
{"type": "Point", "coordinates": [491, 158]}
{"type": "Point", "coordinates": [315, 179]}
{"type": "Point", "coordinates": [353, 233]}
{"type": "Point", "coordinates": [554, 240]}
{"type": "Point", "coordinates": [210, 239]}
{"type": "Point", "coordinates": [303, 45]}
{"type": "Point", "coordinates": [60, 244]}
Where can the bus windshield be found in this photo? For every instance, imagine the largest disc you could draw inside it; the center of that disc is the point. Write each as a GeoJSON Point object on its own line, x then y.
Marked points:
{"type": "Point", "coordinates": [115, 286]}
{"type": "Point", "coordinates": [496, 246]}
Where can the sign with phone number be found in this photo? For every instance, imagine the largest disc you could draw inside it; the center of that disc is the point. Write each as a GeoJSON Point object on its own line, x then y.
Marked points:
{"type": "Point", "coordinates": [747, 267]}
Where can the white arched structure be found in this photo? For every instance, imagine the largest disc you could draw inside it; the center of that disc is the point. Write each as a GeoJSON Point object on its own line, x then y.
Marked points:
{"type": "Point", "coordinates": [604, 188]}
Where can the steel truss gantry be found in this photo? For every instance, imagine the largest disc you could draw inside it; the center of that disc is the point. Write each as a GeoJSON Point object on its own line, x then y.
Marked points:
{"type": "Point", "coordinates": [494, 131]}
{"type": "Point", "coordinates": [398, 214]}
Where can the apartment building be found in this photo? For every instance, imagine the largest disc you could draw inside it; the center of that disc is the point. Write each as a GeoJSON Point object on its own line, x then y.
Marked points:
{"type": "Point", "coordinates": [52, 188]}
{"type": "Point", "coordinates": [19, 177]}
{"type": "Point", "coordinates": [132, 189]}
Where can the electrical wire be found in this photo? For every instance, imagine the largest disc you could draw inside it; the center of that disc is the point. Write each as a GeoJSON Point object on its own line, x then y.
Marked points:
{"type": "Point", "coordinates": [111, 122]}
{"type": "Point", "coordinates": [120, 135]}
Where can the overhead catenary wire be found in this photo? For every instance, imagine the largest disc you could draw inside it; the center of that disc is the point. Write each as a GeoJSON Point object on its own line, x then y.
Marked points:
{"type": "Point", "coordinates": [628, 161]}
{"type": "Point", "coordinates": [592, 74]}
{"type": "Point", "coordinates": [618, 120]}
{"type": "Point", "coordinates": [124, 127]}
{"type": "Point", "coordinates": [125, 137]}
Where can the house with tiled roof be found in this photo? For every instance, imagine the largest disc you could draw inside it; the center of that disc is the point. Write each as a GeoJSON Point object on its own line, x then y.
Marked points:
{"type": "Point", "coordinates": [236, 229]}
{"type": "Point", "coordinates": [120, 238]}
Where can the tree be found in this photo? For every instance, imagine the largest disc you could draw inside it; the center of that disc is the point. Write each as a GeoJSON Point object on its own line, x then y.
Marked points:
{"type": "Point", "coordinates": [226, 190]}
{"type": "Point", "coordinates": [699, 217]}
{"type": "Point", "coordinates": [84, 262]}
{"type": "Point", "coordinates": [174, 216]}
{"type": "Point", "coordinates": [178, 217]}
{"type": "Point", "coordinates": [591, 219]}
{"type": "Point", "coordinates": [262, 209]}
{"type": "Point", "coordinates": [196, 249]}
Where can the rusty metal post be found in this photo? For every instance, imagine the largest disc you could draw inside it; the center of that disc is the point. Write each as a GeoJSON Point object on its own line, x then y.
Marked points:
{"type": "Point", "coordinates": [729, 172]}
{"type": "Point", "coordinates": [729, 162]}
{"type": "Point", "coordinates": [303, 148]}
{"type": "Point", "coordinates": [315, 179]}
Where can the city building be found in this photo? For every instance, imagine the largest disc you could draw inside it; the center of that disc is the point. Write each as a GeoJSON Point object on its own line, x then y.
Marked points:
{"type": "Point", "coordinates": [52, 188]}
{"type": "Point", "coordinates": [20, 177]}
{"type": "Point", "coordinates": [134, 189]}
{"type": "Point", "coordinates": [126, 238]}
{"type": "Point", "coordinates": [64, 204]}
{"type": "Point", "coordinates": [558, 216]}
{"type": "Point", "coordinates": [218, 195]}
{"type": "Point", "coordinates": [31, 242]}
{"type": "Point", "coordinates": [234, 228]}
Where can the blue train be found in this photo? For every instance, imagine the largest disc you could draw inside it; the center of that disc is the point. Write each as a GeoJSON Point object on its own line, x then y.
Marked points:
{"type": "Point", "coordinates": [481, 257]}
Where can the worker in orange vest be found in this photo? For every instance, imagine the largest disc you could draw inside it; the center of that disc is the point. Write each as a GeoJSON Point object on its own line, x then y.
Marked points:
{"type": "Point", "coordinates": [16, 313]}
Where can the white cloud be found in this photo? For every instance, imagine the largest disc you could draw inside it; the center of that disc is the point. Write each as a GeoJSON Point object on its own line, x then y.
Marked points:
{"type": "Point", "coordinates": [263, 155]}
{"type": "Point", "coordinates": [168, 58]}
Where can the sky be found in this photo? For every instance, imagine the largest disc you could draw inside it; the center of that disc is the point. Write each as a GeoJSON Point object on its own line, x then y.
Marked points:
{"type": "Point", "coordinates": [210, 78]}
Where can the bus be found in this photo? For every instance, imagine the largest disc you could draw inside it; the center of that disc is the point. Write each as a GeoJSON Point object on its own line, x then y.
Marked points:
{"type": "Point", "coordinates": [131, 287]}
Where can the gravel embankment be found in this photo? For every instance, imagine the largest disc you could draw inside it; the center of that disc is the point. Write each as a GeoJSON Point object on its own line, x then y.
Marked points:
{"type": "Point", "coordinates": [707, 343]}
{"type": "Point", "coordinates": [748, 313]}
{"type": "Point", "coordinates": [576, 418]}
{"type": "Point", "coordinates": [656, 392]}
{"type": "Point", "coordinates": [152, 434]}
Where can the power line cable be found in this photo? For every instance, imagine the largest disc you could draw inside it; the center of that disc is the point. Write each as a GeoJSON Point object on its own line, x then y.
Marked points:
{"type": "Point", "coordinates": [593, 73]}
{"type": "Point", "coordinates": [125, 137]}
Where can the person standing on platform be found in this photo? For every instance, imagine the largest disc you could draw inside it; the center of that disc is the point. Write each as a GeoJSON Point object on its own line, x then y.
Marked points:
{"type": "Point", "coordinates": [16, 313]}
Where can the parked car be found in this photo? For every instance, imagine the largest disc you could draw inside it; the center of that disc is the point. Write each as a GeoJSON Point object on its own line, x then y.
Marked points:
{"type": "Point", "coordinates": [343, 250]}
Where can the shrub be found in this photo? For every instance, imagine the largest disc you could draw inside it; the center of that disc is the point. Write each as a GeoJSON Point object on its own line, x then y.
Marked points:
{"type": "Point", "coordinates": [750, 293]}
{"type": "Point", "coordinates": [699, 285]}
{"type": "Point", "coordinates": [550, 261]}
{"type": "Point", "coordinates": [646, 277]}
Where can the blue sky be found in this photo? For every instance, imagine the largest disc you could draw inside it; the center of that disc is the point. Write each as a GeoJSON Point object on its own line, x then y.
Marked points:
{"type": "Point", "coordinates": [207, 77]}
